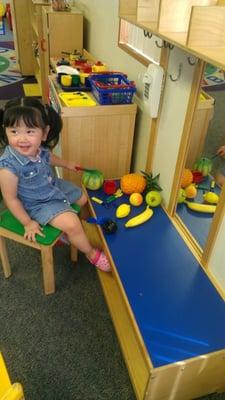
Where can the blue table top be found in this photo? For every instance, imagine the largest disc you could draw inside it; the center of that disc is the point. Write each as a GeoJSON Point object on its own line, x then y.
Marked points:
{"type": "Point", "coordinates": [178, 311]}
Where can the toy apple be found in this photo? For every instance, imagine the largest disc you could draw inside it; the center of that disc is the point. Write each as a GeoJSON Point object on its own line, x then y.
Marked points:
{"type": "Point", "coordinates": [181, 196]}
{"type": "Point", "coordinates": [153, 198]}
{"type": "Point", "coordinates": [109, 186]}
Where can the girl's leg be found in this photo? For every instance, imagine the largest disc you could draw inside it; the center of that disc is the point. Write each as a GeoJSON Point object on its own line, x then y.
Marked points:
{"type": "Point", "coordinates": [70, 223]}
{"type": "Point", "coordinates": [82, 200]}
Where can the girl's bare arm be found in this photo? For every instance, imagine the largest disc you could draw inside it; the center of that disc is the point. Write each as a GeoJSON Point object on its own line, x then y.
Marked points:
{"type": "Point", "coordinates": [60, 162]}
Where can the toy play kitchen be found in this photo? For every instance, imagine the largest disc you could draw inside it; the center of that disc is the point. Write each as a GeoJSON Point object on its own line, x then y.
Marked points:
{"type": "Point", "coordinates": [92, 135]}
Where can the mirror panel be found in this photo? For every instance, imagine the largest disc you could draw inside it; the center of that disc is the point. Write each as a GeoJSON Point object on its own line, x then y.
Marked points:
{"type": "Point", "coordinates": [206, 137]}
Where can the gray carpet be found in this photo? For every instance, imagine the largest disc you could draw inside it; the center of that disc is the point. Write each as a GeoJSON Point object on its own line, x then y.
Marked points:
{"type": "Point", "coordinates": [63, 346]}
{"type": "Point", "coordinates": [216, 131]}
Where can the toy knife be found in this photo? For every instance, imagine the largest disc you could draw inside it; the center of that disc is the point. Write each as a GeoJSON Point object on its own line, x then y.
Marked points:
{"type": "Point", "coordinates": [79, 168]}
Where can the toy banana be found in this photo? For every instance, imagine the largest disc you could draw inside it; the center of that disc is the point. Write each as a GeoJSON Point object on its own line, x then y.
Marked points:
{"type": "Point", "coordinates": [201, 207]}
{"type": "Point", "coordinates": [140, 218]}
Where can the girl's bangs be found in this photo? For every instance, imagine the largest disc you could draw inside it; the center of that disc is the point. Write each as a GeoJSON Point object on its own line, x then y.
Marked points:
{"type": "Point", "coordinates": [31, 117]}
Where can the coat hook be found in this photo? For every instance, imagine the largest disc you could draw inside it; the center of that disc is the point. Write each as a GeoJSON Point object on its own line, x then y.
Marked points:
{"type": "Point", "coordinates": [158, 45]}
{"type": "Point", "coordinates": [171, 46]}
{"type": "Point", "coordinates": [179, 74]}
{"type": "Point", "coordinates": [147, 34]}
{"type": "Point", "coordinates": [194, 62]}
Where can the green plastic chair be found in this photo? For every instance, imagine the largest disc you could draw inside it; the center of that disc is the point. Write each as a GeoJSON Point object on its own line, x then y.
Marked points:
{"type": "Point", "coordinates": [11, 228]}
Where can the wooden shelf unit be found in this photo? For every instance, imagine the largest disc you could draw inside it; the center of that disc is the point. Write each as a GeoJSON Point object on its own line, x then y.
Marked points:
{"type": "Point", "coordinates": [52, 33]}
{"type": "Point", "coordinates": [99, 137]}
{"type": "Point", "coordinates": [22, 36]}
{"type": "Point", "coordinates": [196, 26]}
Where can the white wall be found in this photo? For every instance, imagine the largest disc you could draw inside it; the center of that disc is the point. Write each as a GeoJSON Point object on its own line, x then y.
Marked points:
{"type": "Point", "coordinates": [172, 118]}
{"type": "Point", "coordinates": [101, 29]}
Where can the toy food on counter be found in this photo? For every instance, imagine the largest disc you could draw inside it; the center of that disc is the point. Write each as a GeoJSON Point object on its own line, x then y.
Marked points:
{"type": "Point", "coordinates": [211, 198]}
{"type": "Point", "coordinates": [190, 191]}
{"type": "Point", "coordinates": [200, 207]}
{"type": "Point", "coordinates": [99, 67]}
{"type": "Point", "coordinates": [204, 165]}
{"type": "Point", "coordinates": [66, 80]}
{"type": "Point", "coordinates": [136, 199]}
{"type": "Point", "coordinates": [140, 218]}
{"type": "Point", "coordinates": [153, 198]}
{"type": "Point", "coordinates": [132, 183]}
{"type": "Point", "coordinates": [197, 176]}
{"type": "Point", "coordinates": [186, 177]}
{"type": "Point", "coordinates": [109, 186]}
{"type": "Point", "coordinates": [93, 180]}
{"type": "Point", "coordinates": [123, 210]}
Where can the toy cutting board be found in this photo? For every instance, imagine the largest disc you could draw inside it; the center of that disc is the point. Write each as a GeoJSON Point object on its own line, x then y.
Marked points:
{"type": "Point", "coordinates": [76, 99]}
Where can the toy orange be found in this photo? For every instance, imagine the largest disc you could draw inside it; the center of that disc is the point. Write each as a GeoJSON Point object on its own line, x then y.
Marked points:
{"type": "Point", "coordinates": [190, 191]}
{"type": "Point", "coordinates": [186, 178]}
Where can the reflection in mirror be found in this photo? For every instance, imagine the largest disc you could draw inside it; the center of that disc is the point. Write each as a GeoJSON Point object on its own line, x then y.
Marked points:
{"type": "Point", "coordinates": [200, 192]}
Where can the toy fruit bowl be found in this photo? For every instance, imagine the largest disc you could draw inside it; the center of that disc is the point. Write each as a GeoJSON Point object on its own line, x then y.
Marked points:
{"type": "Point", "coordinates": [197, 176]}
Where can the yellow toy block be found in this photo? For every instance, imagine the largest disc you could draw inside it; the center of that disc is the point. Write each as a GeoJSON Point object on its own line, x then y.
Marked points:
{"type": "Point", "coordinates": [8, 391]}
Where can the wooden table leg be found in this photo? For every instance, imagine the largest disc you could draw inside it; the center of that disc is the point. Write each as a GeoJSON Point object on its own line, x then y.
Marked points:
{"type": "Point", "coordinates": [4, 258]}
{"type": "Point", "coordinates": [73, 253]}
{"type": "Point", "coordinates": [48, 269]}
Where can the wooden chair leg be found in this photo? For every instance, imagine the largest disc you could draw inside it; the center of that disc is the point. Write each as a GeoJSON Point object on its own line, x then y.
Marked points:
{"type": "Point", "coordinates": [4, 258]}
{"type": "Point", "coordinates": [48, 269]}
{"type": "Point", "coordinates": [73, 253]}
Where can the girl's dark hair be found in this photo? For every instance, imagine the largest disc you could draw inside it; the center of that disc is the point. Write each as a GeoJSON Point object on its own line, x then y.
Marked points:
{"type": "Point", "coordinates": [34, 114]}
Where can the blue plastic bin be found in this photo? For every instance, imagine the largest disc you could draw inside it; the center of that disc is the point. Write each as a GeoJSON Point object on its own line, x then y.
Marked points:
{"type": "Point", "coordinates": [112, 88]}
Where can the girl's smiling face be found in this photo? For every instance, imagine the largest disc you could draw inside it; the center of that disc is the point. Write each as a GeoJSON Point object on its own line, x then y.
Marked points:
{"type": "Point", "coordinates": [26, 140]}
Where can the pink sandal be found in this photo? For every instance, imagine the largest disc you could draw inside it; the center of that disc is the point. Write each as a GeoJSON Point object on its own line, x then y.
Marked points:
{"type": "Point", "coordinates": [100, 261]}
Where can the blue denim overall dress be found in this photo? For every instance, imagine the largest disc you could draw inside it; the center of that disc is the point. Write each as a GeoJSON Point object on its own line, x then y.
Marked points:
{"type": "Point", "coordinates": [42, 194]}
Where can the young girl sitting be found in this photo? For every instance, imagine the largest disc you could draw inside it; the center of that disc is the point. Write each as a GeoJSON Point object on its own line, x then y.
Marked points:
{"type": "Point", "coordinates": [29, 188]}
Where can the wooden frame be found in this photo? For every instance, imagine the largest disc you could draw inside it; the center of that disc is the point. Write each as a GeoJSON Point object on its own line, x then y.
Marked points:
{"type": "Point", "coordinates": [46, 257]}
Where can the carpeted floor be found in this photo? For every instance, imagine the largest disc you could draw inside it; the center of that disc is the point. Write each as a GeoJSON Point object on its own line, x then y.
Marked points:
{"type": "Point", "coordinates": [61, 346]}
{"type": "Point", "coordinates": [216, 131]}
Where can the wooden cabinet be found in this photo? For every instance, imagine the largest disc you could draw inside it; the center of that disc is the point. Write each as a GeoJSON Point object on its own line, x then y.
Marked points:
{"type": "Point", "coordinates": [98, 137]}
{"type": "Point", "coordinates": [202, 117]}
{"type": "Point", "coordinates": [52, 33]}
{"type": "Point", "coordinates": [22, 36]}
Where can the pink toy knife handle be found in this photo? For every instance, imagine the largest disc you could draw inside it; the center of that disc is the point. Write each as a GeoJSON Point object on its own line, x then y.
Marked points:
{"type": "Point", "coordinates": [78, 168]}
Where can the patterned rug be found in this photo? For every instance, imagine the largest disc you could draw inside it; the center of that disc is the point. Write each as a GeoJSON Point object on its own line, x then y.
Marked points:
{"type": "Point", "coordinates": [214, 78]}
{"type": "Point", "coordinates": [9, 72]}
{"type": "Point", "coordinates": [2, 26]}
{"type": "Point", "coordinates": [11, 80]}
